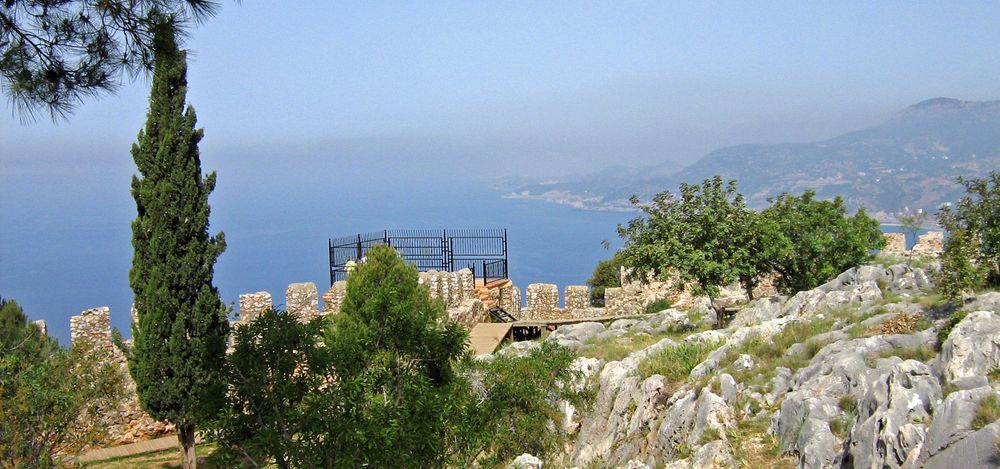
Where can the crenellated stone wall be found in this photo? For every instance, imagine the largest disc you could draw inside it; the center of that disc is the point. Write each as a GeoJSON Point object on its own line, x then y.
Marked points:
{"type": "Point", "coordinates": [252, 305]}
{"type": "Point", "coordinates": [576, 297]}
{"type": "Point", "coordinates": [302, 301]}
{"type": "Point", "coordinates": [895, 244]}
{"type": "Point", "coordinates": [452, 287]}
{"type": "Point", "coordinates": [509, 298]}
{"type": "Point", "coordinates": [930, 244]}
{"type": "Point", "coordinates": [542, 302]}
{"type": "Point", "coordinates": [126, 422]}
{"type": "Point", "coordinates": [93, 328]}
{"type": "Point", "coordinates": [469, 313]}
{"type": "Point", "coordinates": [333, 299]}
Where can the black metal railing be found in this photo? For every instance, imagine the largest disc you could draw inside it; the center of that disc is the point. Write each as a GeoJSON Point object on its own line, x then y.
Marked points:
{"type": "Point", "coordinates": [484, 251]}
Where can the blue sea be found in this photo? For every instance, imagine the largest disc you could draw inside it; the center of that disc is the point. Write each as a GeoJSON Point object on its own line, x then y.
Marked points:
{"type": "Point", "coordinates": [65, 240]}
{"type": "Point", "coordinates": [65, 234]}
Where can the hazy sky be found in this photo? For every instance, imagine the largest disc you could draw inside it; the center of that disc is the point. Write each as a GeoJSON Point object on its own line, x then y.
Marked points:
{"type": "Point", "coordinates": [566, 86]}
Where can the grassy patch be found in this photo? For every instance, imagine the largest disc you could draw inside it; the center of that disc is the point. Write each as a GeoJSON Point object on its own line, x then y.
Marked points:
{"type": "Point", "coordinates": [675, 363]}
{"type": "Point", "coordinates": [987, 413]}
{"type": "Point", "coordinates": [993, 375]}
{"type": "Point", "coordinates": [920, 354]}
{"type": "Point", "coordinates": [841, 425]}
{"type": "Point", "coordinates": [945, 330]}
{"type": "Point", "coordinates": [848, 404]}
{"type": "Point", "coordinates": [709, 435]}
{"type": "Point", "coordinates": [617, 348]}
{"type": "Point", "coordinates": [658, 305]}
{"type": "Point", "coordinates": [753, 447]}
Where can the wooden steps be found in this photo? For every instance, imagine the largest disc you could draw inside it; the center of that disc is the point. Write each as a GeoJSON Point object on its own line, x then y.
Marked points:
{"type": "Point", "coordinates": [485, 337]}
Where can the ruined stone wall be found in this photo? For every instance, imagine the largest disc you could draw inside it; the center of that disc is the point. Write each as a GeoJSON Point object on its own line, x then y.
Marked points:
{"type": "Point", "coordinates": [895, 244]}
{"type": "Point", "coordinates": [509, 298]}
{"type": "Point", "coordinates": [576, 297]}
{"type": "Point", "coordinates": [469, 313]}
{"type": "Point", "coordinates": [930, 244]}
{"type": "Point", "coordinates": [542, 302]}
{"type": "Point", "coordinates": [252, 305]}
{"type": "Point", "coordinates": [452, 287]}
{"type": "Point", "coordinates": [126, 422]}
{"type": "Point", "coordinates": [333, 299]}
{"type": "Point", "coordinates": [302, 300]}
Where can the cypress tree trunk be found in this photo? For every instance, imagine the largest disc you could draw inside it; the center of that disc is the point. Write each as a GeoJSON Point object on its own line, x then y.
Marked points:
{"type": "Point", "coordinates": [180, 338]}
{"type": "Point", "coordinates": [185, 436]}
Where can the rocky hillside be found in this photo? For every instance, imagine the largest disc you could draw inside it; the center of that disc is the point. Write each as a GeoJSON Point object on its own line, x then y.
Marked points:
{"type": "Point", "coordinates": [910, 161]}
{"type": "Point", "coordinates": [864, 371]}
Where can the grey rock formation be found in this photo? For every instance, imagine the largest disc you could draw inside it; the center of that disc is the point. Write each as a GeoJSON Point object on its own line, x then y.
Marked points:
{"type": "Point", "coordinates": [973, 347]}
{"type": "Point", "coordinates": [951, 442]}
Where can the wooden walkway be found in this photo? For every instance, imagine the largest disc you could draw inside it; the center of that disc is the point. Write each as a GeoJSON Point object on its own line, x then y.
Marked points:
{"type": "Point", "coordinates": [155, 445]}
{"type": "Point", "coordinates": [485, 337]}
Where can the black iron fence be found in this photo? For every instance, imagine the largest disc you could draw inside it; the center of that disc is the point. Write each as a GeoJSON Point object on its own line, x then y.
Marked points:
{"type": "Point", "coordinates": [484, 251]}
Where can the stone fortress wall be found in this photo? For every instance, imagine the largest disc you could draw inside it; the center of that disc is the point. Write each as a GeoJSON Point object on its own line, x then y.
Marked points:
{"type": "Point", "coordinates": [466, 303]}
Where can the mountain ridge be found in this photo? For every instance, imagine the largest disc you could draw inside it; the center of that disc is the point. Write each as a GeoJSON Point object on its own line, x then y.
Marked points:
{"type": "Point", "coordinates": [909, 162]}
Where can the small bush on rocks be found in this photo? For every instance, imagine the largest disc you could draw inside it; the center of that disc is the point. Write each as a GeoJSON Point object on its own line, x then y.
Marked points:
{"type": "Point", "coordinates": [988, 412]}
{"type": "Point", "coordinates": [675, 363]}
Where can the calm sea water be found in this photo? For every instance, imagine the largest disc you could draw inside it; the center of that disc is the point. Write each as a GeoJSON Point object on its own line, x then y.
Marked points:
{"type": "Point", "coordinates": [65, 250]}
{"type": "Point", "coordinates": [65, 236]}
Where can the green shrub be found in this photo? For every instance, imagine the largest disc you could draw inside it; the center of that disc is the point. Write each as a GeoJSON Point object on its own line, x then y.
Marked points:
{"type": "Point", "coordinates": [606, 275]}
{"type": "Point", "coordinates": [945, 330]}
{"type": "Point", "coordinates": [675, 363]}
{"type": "Point", "coordinates": [658, 305]}
{"type": "Point", "coordinates": [987, 413]}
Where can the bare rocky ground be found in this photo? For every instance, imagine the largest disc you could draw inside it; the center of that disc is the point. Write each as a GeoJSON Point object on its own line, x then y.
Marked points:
{"type": "Point", "coordinates": [850, 374]}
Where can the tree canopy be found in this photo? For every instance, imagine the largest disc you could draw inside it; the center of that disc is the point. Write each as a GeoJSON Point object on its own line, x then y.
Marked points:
{"type": "Point", "coordinates": [823, 240]}
{"type": "Point", "coordinates": [978, 214]}
{"type": "Point", "coordinates": [180, 337]}
{"type": "Point", "coordinates": [701, 235]}
{"type": "Point", "coordinates": [54, 54]}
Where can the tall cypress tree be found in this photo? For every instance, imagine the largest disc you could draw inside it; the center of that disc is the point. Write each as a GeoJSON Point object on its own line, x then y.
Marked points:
{"type": "Point", "coordinates": [180, 338]}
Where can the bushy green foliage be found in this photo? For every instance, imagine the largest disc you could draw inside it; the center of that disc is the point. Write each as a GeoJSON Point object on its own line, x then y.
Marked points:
{"type": "Point", "coordinates": [823, 241]}
{"type": "Point", "coordinates": [972, 252]}
{"type": "Point", "coordinates": [276, 364]}
{"type": "Point", "coordinates": [394, 354]}
{"type": "Point", "coordinates": [180, 338]}
{"type": "Point", "coordinates": [514, 408]}
{"type": "Point", "coordinates": [960, 272]}
{"type": "Point", "coordinates": [606, 275]}
{"type": "Point", "coordinates": [656, 306]}
{"type": "Point", "coordinates": [945, 330]}
{"type": "Point", "coordinates": [387, 384]}
{"type": "Point", "coordinates": [702, 235]}
{"type": "Point", "coordinates": [46, 392]}
{"type": "Point", "coordinates": [676, 362]}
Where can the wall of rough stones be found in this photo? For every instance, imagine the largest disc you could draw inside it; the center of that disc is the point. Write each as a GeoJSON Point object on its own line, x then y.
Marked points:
{"type": "Point", "coordinates": [930, 244]}
{"type": "Point", "coordinates": [542, 302]}
{"type": "Point", "coordinates": [302, 300]}
{"type": "Point", "coordinates": [452, 287]}
{"type": "Point", "coordinates": [252, 305]}
{"type": "Point", "coordinates": [333, 299]}
{"type": "Point", "coordinates": [126, 423]}
{"type": "Point", "coordinates": [576, 297]}
{"type": "Point", "coordinates": [509, 298]}
{"type": "Point", "coordinates": [895, 244]}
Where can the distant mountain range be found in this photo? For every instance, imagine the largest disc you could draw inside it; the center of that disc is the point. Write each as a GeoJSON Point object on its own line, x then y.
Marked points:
{"type": "Point", "coordinates": [909, 162]}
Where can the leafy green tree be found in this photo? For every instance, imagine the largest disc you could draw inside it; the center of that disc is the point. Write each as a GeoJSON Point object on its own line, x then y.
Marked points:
{"type": "Point", "coordinates": [180, 338]}
{"type": "Point", "coordinates": [978, 213]}
{"type": "Point", "coordinates": [606, 275]}
{"type": "Point", "coordinates": [53, 54]}
{"type": "Point", "coordinates": [824, 241]}
{"type": "Point", "coordinates": [394, 354]}
{"type": "Point", "coordinates": [912, 223]}
{"type": "Point", "coordinates": [959, 274]}
{"type": "Point", "coordinates": [701, 236]}
{"type": "Point", "coordinates": [514, 407]}
{"type": "Point", "coordinates": [46, 392]}
{"type": "Point", "coordinates": [277, 362]}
